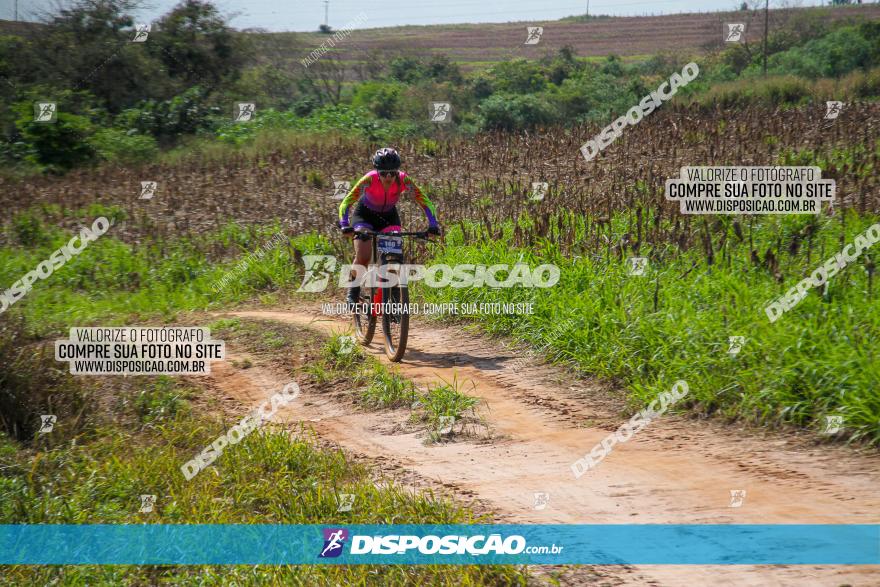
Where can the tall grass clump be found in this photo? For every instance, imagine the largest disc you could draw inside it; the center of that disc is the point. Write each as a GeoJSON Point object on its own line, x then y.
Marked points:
{"type": "Point", "coordinates": [33, 384]}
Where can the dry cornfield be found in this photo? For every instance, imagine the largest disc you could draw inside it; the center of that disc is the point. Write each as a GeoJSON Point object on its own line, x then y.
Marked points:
{"type": "Point", "coordinates": [487, 178]}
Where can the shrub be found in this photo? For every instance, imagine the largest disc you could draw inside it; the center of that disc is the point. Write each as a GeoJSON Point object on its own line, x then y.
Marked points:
{"type": "Point", "coordinates": [124, 147]}
{"type": "Point", "coordinates": [500, 112]}
{"type": "Point", "coordinates": [379, 98]}
{"type": "Point", "coordinates": [184, 114]}
{"type": "Point", "coordinates": [861, 84]}
{"type": "Point", "coordinates": [518, 76]}
{"type": "Point", "coordinates": [833, 55]}
{"type": "Point", "coordinates": [268, 86]}
{"type": "Point", "coordinates": [406, 69]}
{"type": "Point", "coordinates": [439, 68]}
{"type": "Point", "coordinates": [595, 96]}
{"type": "Point", "coordinates": [482, 87]}
{"type": "Point", "coordinates": [57, 146]}
{"type": "Point", "coordinates": [772, 91]}
{"type": "Point", "coordinates": [428, 147]}
{"type": "Point", "coordinates": [737, 58]}
{"type": "Point", "coordinates": [32, 384]}
{"type": "Point", "coordinates": [29, 230]}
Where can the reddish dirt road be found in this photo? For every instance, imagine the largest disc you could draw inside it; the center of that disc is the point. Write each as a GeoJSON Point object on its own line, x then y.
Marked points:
{"type": "Point", "coordinates": [540, 419]}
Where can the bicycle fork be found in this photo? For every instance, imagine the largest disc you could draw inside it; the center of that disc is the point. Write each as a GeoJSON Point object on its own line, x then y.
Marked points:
{"type": "Point", "coordinates": [376, 310]}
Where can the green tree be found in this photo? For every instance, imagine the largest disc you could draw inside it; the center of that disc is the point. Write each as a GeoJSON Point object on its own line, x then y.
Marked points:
{"type": "Point", "coordinates": [58, 146]}
{"type": "Point", "coordinates": [407, 69]}
{"type": "Point", "coordinates": [196, 46]}
{"type": "Point", "coordinates": [506, 112]}
{"type": "Point", "coordinates": [380, 98]}
{"type": "Point", "coordinates": [518, 76]}
{"type": "Point", "coordinates": [833, 55]}
{"type": "Point", "coordinates": [562, 66]}
{"type": "Point", "coordinates": [613, 66]}
{"type": "Point", "coordinates": [167, 120]}
{"type": "Point", "coordinates": [86, 46]}
{"type": "Point", "coordinates": [481, 86]}
{"type": "Point", "coordinates": [439, 68]}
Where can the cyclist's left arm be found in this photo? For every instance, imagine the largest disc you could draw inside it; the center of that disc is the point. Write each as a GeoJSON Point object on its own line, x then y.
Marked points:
{"type": "Point", "coordinates": [422, 200]}
{"type": "Point", "coordinates": [353, 195]}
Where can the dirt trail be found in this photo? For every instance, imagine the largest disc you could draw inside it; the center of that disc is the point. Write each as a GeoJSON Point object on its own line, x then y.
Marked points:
{"type": "Point", "coordinates": [676, 470]}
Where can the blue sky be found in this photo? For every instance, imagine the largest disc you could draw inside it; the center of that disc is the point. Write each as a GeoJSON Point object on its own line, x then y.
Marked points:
{"type": "Point", "coordinates": [306, 15]}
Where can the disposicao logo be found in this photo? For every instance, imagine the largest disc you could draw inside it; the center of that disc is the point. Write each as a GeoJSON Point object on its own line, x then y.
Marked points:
{"type": "Point", "coordinates": [334, 541]}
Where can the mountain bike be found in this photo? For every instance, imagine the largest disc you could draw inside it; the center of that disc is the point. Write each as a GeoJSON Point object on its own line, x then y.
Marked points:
{"type": "Point", "coordinates": [390, 303]}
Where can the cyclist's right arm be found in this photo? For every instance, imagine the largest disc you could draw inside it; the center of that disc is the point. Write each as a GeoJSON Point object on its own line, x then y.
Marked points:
{"type": "Point", "coordinates": [352, 197]}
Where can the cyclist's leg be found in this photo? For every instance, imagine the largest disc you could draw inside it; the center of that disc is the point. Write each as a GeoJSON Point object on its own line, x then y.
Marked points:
{"type": "Point", "coordinates": [362, 249]}
{"type": "Point", "coordinates": [362, 218]}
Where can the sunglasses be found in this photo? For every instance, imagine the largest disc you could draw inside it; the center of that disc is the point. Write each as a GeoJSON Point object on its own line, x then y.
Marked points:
{"type": "Point", "coordinates": [388, 173]}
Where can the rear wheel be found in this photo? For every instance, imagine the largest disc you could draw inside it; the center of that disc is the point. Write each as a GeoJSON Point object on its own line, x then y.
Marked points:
{"type": "Point", "coordinates": [364, 319]}
{"type": "Point", "coordinates": [395, 320]}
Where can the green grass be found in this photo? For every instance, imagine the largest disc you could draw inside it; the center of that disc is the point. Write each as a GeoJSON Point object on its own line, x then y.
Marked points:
{"type": "Point", "coordinates": [165, 399]}
{"type": "Point", "coordinates": [117, 439]}
{"type": "Point", "coordinates": [339, 363]}
{"type": "Point", "coordinates": [387, 389]}
{"type": "Point", "coordinates": [141, 431]}
{"type": "Point", "coordinates": [446, 400]}
{"type": "Point", "coordinates": [268, 478]}
{"type": "Point", "coordinates": [114, 282]}
{"type": "Point", "coordinates": [817, 360]}
{"type": "Point", "coordinates": [343, 352]}
{"type": "Point", "coordinates": [374, 386]}
{"type": "Point", "coordinates": [378, 387]}
{"type": "Point", "coordinates": [786, 90]}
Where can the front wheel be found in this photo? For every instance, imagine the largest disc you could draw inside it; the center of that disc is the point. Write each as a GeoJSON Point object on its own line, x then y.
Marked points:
{"type": "Point", "coordinates": [395, 320]}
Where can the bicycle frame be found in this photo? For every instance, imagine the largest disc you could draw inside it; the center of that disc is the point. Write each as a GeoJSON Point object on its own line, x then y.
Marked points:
{"type": "Point", "coordinates": [375, 260]}
{"type": "Point", "coordinates": [395, 322]}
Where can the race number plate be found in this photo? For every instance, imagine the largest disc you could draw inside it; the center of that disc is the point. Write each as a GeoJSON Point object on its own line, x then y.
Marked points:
{"type": "Point", "coordinates": [390, 244]}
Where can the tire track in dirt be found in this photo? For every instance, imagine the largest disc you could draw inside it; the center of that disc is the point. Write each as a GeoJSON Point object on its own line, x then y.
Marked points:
{"type": "Point", "coordinates": [676, 470]}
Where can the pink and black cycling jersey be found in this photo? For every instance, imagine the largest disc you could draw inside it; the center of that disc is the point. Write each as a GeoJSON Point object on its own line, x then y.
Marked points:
{"type": "Point", "coordinates": [372, 194]}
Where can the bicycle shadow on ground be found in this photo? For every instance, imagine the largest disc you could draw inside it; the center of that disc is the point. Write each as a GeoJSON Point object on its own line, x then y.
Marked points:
{"type": "Point", "coordinates": [419, 358]}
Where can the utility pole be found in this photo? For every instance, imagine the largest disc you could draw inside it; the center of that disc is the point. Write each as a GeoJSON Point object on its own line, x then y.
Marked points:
{"type": "Point", "coordinates": [588, 7]}
{"type": "Point", "coordinates": [16, 10]}
{"type": "Point", "coordinates": [766, 19]}
{"type": "Point", "coordinates": [326, 10]}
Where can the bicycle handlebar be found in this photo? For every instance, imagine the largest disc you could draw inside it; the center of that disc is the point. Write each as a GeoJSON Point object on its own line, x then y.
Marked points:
{"type": "Point", "coordinates": [421, 234]}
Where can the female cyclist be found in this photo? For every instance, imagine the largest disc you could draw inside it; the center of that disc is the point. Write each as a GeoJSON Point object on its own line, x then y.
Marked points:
{"type": "Point", "coordinates": [374, 198]}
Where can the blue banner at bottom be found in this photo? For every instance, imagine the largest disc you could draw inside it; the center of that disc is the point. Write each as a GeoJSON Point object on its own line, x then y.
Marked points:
{"type": "Point", "coordinates": [623, 544]}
